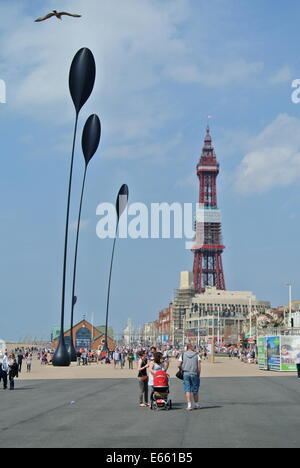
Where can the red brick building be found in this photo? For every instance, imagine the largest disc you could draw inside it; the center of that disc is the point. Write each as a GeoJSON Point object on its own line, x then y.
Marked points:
{"type": "Point", "coordinates": [87, 336]}
{"type": "Point", "coordinates": [165, 324]}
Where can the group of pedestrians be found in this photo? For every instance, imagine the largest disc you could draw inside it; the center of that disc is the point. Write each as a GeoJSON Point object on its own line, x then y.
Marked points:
{"type": "Point", "coordinates": [9, 370]}
{"type": "Point", "coordinates": [85, 357]}
{"type": "Point", "coordinates": [121, 355]}
{"type": "Point", "coordinates": [244, 355]}
{"type": "Point", "coordinates": [149, 362]}
{"type": "Point", "coordinates": [152, 361]}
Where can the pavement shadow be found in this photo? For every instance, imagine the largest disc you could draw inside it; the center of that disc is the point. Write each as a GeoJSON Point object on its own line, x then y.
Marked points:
{"type": "Point", "coordinates": [211, 407]}
{"type": "Point", "coordinates": [178, 405]}
{"type": "Point", "coordinates": [183, 406]}
{"type": "Point", "coordinates": [22, 389]}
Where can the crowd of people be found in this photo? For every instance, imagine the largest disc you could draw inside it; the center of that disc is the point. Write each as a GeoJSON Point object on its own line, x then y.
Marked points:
{"type": "Point", "coordinates": [245, 355]}
{"type": "Point", "coordinates": [146, 361]}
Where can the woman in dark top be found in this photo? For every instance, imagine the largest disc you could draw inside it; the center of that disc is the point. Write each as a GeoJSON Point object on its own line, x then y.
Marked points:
{"type": "Point", "coordinates": [143, 379]}
{"type": "Point", "coordinates": [13, 371]}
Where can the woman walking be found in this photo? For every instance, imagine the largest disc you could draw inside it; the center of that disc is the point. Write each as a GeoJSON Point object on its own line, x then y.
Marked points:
{"type": "Point", "coordinates": [29, 363]}
{"type": "Point", "coordinates": [13, 371]}
{"type": "Point", "coordinates": [156, 365]}
{"type": "Point", "coordinates": [143, 379]}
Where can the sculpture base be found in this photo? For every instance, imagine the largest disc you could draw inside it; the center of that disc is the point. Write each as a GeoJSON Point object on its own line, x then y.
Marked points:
{"type": "Point", "coordinates": [61, 356]}
{"type": "Point", "coordinates": [72, 353]}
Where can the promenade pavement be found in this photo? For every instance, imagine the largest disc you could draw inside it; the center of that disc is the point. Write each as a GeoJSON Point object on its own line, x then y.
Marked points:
{"type": "Point", "coordinates": [256, 410]}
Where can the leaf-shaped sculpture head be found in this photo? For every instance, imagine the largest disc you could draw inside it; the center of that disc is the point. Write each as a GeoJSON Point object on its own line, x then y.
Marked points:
{"type": "Point", "coordinates": [91, 137]}
{"type": "Point", "coordinates": [122, 200]}
{"type": "Point", "coordinates": [82, 77]}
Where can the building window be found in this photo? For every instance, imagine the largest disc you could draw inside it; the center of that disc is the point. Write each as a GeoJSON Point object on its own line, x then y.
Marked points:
{"type": "Point", "coordinates": [83, 338]}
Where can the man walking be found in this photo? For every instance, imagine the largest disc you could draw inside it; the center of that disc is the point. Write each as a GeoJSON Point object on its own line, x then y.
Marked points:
{"type": "Point", "coordinates": [122, 358]}
{"type": "Point", "coordinates": [4, 370]}
{"type": "Point", "coordinates": [78, 357]}
{"type": "Point", "coordinates": [84, 358]}
{"type": "Point", "coordinates": [116, 358]}
{"type": "Point", "coordinates": [190, 363]}
{"type": "Point", "coordinates": [20, 361]}
{"type": "Point", "coordinates": [130, 359]}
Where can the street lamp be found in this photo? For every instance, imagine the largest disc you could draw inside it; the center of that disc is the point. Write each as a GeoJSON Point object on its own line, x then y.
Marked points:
{"type": "Point", "coordinates": [182, 318]}
{"type": "Point", "coordinates": [213, 339]}
{"type": "Point", "coordinates": [198, 335]}
{"type": "Point", "coordinates": [81, 83]}
{"type": "Point", "coordinates": [218, 326]}
{"type": "Point", "coordinates": [289, 321]}
{"type": "Point", "coordinates": [250, 312]}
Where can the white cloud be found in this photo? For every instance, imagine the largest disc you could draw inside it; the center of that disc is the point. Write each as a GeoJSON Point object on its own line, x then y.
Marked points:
{"type": "Point", "coordinates": [141, 47]}
{"type": "Point", "coordinates": [273, 158]}
{"type": "Point", "coordinates": [130, 43]}
{"type": "Point", "coordinates": [188, 181]}
{"type": "Point", "coordinates": [214, 74]}
{"type": "Point", "coordinates": [84, 223]}
{"type": "Point", "coordinates": [136, 46]}
{"type": "Point", "coordinates": [153, 152]}
{"type": "Point", "coordinates": [283, 75]}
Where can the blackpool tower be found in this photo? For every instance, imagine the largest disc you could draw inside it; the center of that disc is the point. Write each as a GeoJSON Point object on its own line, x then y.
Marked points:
{"type": "Point", "coordinates": [208, 248]}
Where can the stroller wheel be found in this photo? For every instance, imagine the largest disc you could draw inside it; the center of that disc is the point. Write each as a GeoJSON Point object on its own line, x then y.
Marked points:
{"type": "Point", "coordinates": [169, 405]}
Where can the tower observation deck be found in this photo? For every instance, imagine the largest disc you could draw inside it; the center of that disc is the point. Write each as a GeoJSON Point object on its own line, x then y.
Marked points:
{"type": "Point", "coordinates": [208, 248]}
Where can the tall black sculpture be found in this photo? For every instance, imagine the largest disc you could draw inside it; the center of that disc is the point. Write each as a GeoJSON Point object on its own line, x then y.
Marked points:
{"type": "Point", "coordinates": [90, 142]}
{"type": "Point", "coordinates": [121, 203]}
{"type": "Point", "coordinates": [81, 82]}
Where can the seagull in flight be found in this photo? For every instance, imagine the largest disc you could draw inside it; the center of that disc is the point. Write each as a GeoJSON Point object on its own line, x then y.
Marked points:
{"type": "Point", "coordinates": [58, 15]}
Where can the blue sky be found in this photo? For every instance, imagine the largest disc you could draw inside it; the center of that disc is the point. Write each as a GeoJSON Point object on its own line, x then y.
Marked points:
{"type": "Point", "coordinates": [162, 67]}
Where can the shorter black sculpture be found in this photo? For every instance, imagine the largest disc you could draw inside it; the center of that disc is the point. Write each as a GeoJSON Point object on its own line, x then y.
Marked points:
{"type": "Point", "coordinates": [121, 203]}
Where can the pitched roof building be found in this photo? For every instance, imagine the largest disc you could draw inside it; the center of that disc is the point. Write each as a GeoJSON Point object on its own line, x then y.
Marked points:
{"type": "Point", "coordinates": [87, 336]}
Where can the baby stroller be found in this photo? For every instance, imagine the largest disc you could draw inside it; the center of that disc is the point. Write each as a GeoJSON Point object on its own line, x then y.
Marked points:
{"type": "Point", "coordinates": [160, 396]}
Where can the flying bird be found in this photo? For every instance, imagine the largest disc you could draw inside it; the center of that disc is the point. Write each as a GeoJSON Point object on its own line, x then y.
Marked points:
{"type": "Point", "coordinates": [58, 15]}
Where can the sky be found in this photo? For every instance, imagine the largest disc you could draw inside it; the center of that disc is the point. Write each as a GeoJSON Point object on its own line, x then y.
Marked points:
{"type": "Point", "coordinates": [162, 68]}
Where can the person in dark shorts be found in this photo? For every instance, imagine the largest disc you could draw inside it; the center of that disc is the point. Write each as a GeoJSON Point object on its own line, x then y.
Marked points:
{"type": "Point", "coordinates": [190, 363]}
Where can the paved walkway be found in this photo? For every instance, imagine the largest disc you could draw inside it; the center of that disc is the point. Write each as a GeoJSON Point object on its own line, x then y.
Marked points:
{"type": "Point", "coordinates": [237, 412]}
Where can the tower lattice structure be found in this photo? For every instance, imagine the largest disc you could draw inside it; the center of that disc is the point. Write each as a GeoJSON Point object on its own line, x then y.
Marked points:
{"type": "Point", "coordinates": [208, 248]}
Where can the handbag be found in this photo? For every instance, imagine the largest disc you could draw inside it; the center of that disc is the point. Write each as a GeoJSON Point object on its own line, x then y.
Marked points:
{"type": "Point", "coordinates": [180, 374]}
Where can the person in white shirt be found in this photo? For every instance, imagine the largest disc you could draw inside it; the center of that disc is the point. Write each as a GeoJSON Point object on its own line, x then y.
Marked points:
{"type": "Point", "coordinates": [116, 358]}
{"type": "Point", "coordinates": [29, 363]}
{"type": "Point", "coordinates": [4, 370]}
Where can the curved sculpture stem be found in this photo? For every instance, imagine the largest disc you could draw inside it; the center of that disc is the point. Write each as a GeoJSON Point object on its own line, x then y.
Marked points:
{"type": "Point", "coordinates": [61, 356]}
{"type": "Point", "coordinates": [106, 348]}
{"type": "Point", "coordinates": [72, 349]}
